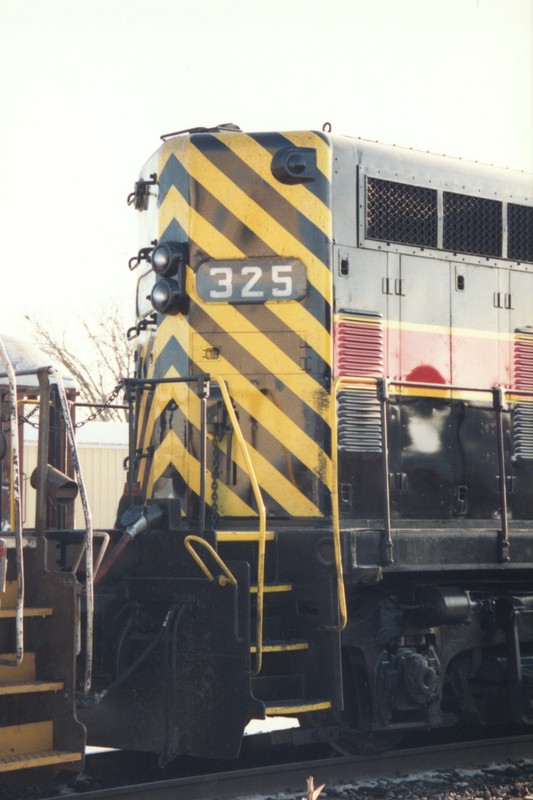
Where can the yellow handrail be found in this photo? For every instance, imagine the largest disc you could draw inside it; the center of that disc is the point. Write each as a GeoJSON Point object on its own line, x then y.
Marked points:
{"type": "Point", "coordinates": [223, 580]}
{"type": "Point", "coordinates": [262, 519]}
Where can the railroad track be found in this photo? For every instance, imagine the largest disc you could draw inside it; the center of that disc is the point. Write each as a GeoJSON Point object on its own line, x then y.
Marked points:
{"type": "Point", "coordinates": [292, 777]}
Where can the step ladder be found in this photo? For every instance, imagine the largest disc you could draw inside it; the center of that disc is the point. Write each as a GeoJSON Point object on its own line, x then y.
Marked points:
{"type": "Point", "coordinates": [262, 651]}
{"type": "Point", "coordinates": [272, 648]}
{"type": "Point", "coordinates": [38, 727]}
{"type": "Point", "coordinates": [24, 694]}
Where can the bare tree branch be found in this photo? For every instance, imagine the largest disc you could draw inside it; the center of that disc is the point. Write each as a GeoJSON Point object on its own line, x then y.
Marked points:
{"type": "Point", "coordinates": [108, 359]}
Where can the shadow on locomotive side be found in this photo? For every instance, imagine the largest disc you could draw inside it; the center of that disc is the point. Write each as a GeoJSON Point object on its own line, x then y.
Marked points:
{"type": "Point", "coordinates": [329, 502]}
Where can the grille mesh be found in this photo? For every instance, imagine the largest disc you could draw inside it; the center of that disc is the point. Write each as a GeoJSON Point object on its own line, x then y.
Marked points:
{"type": "Point", "coordinates": [405, 214]}
{"type": "Point", "coordinates": [472, 225]}
{"type": "Point", "coordinates": [398, 212]}
{"type": "Point", "coordinates": [520, 232]}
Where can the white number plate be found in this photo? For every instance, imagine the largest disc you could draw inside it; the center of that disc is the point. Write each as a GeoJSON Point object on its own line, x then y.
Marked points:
{"type": "Point", "coordinates": [251, 280]}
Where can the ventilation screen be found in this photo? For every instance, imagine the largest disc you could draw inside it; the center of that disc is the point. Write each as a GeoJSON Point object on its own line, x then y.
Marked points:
{"type": "Point", "coordinates": [520, 232]}
{"type": "Point", "coordinates": [472, 225]}
{"type": "Point", "coordinates": [359, 421]}
{"type": "Point", "coordinates": [358, 346]}
{"type": "Point", "coordinates": [523, 379]}
{"type": "Point", "coordinates": [398, 212]}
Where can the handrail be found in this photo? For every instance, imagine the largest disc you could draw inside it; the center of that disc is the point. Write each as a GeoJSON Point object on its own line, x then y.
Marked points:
{"type": "Point", "coordinates": [89, 570]}
{"type": "Point", "coordinates": [223, 580]}
{"type": "Point", "coordinates": [262, 519]}
{"type": "Point", "coordinates": [500, 396]}
{"type": "Point", "coordinates": [17, 511]}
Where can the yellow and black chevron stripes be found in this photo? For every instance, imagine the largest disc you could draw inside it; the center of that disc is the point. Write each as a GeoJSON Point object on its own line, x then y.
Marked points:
{"type": "Point", "coordinates": [258, 158]}
{"type": "Point", "coordinates": [276, 424]}
{"type": "Point", "coordinates": [220, 193]}
{"type": "Point", "coordinates": [172, 451]}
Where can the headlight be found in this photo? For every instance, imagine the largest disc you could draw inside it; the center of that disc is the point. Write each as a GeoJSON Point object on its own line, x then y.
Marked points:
{"type": "Point", "coordinates": [167, 296]}
{"type": "Point", "coordinates": [168, 258]}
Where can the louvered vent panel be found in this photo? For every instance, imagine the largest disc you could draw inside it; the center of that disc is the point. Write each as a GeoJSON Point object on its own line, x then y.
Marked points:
{"type": "Point", "coordinates": [523, 412]}
{"type": "Point", "coordinates": [359, 421]}
{"type": "Point", "coordinates": [359, 347]}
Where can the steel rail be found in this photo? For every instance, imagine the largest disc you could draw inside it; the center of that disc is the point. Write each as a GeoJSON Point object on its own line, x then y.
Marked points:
{"type": "Point", "coordinates": [292, 777]}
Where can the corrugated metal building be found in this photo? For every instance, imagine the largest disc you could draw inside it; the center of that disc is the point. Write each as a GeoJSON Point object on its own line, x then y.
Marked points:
{"type": "Point", "coordinates": [102, 448]}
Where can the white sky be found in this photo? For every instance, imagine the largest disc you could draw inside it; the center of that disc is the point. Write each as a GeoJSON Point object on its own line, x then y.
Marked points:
{"type": "Point", "coordinates": [87, 87]}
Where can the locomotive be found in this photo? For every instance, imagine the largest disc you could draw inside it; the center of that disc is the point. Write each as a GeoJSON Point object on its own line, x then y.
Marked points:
{"type": "Point", "coordinates": [328, 511]}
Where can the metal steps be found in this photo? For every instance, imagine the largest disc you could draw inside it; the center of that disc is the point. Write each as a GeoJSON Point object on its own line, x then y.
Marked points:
{"type": "Point", "coordinates": [26, 695]}
{"type": "Point", "coordinates": [273, 588]}
{"type": "Point", "coordinates": [8, 604]}
{"type": "Point", "coordinates": [281, 647]}
{"type": "Point", "coordinates": [280, 708]}
{"type": "Point", "coordinates": [10, 613]}
{"type": "Point", "coordinates": [31, 745]}
{"type": "Point", "coordinates": [27, 687]}
{"type": "Point", "coordinates": [276, 681]}
{"type": "Point", "coordinates": [243, 536]}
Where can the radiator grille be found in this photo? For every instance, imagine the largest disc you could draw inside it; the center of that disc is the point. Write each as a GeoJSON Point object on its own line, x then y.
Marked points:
{"type": "Point", "coordinates": [520, 232]}
{"type": "Point", "coordinates": [404, 214]}
{"type": "Point", "coordinates": [359, 421]}
{"type": "Point", "coordinates": [523, 412]}
{"type": "Point", "coordinates": [359, 347]}
{"type": "Point", "coordinates": [398, 212]}
{"type": "Point", "coordinates": [472, 225]}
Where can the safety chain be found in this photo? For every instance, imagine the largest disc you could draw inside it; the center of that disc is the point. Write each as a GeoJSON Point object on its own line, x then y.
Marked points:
{"type": "Point", "coordinates": [27, 419]}
{"type": "Point", "coordinates": [214, 483]}
{"type": "Point", "coordinates": [103, 407]}
{"type": "Point", "coordinates": [96, 413]}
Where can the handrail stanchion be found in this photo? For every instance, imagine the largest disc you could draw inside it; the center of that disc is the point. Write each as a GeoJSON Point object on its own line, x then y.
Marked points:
{"type": "Point", "coordinates": [343, 613]}
{"type": "Point", "coordinates": [17, 511]}
{"type": "Point", "coordinates": [498, 394]}
{"type": "Point", "coordinates": [383, 392]}
{"type": "Point", "coordinates": [203, 392]}
{"type": "Point", "coordinates": [89, 582]}
{"type": "Point", "coordinates": [262, 520]}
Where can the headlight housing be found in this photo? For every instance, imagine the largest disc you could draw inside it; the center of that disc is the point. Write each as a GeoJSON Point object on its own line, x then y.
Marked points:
{"type": "Point", "coordinates": [169, 260]}
{"type": "Point", "coordinates": [167, 296]}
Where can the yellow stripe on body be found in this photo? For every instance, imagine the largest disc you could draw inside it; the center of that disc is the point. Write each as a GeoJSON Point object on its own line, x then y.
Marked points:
{"type": "Point", "coordinates": [172, 451]}
{"type": "Point", "coordinates": [272, 419]}
{"type": "Point", "coordinates": [259, 160]}
{"type": "Point", "coordinates": [448, 330]}
{"type": "Point", "coordinates": [251, 214]}
{"type": "Point", "coordinates": [275, 483]}
{"type": "Point", "coordinates": [296, 316]}
{"type": "Point", "coordinates": [217, 245]}
{"type": "Point", "coordinates": [266, 412]}
{"type": "Point", "coordinates": [280, 488]}
{"type": "Point", "coordinates": [199, 230]}
{"type": "Point", "coordinates": [272, 357]}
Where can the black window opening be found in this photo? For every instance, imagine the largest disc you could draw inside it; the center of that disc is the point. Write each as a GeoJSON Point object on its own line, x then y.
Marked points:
{"type": "Point", "coordinates": [519, 232]}
{"type": "Point", "coordinates": [398, 212]}
{"type": "Point", "coordinates": [472, 225]}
